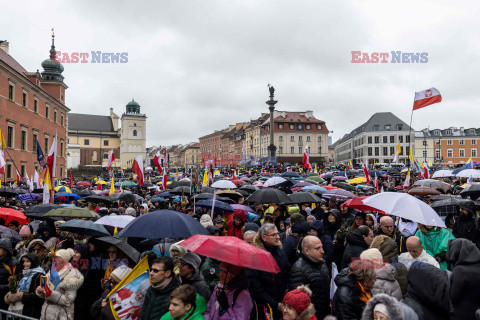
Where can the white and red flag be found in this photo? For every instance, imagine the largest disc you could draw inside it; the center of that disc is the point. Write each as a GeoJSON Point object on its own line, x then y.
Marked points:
{"type": "Point", "coordinates": [2, 163]}
{"type": "Point", "coordinates": [18, 176]}
{"type": "Point", "coordinates": [426, 174]}
{"type": "Point", "coordinates": [426, 97]}
{"type": "Point", "coordinates": [52, 160]}
{"type": "Point", "coordinates": [111, 158]}
{"type": "Point", "coordinates": [137, 167]}
{"type": "Point", "coordinates": [36, 179]}
{"type": "Point", "coordinates": [157, 160]}
{"type": "Point", "coordinates": [306, 159]}
{"type": "Point", "coordinates": [365, 171]}
{"type": "Point", "coordinates": [164, 181]}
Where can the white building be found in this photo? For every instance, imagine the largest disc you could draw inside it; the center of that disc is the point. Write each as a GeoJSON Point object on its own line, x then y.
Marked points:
{"type": "Point", "coordinates": [133, 134]}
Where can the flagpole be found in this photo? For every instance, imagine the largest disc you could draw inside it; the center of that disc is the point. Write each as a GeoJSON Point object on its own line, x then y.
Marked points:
{"type": "Point", "coordinates": [13, 163]}
{"type": "Point", "coordinates": [410, 132]}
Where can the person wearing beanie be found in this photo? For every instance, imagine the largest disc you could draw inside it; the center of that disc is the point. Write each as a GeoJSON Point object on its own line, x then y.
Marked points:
{"type": "Point", "coordinates": [297, 305]}
{"type": "Point", "coordinates": [357, 242]}
{"type": "Point", "coordinates": [176, 252]}
{"type": "Point", "coordinates": [384, 307]}
{"type": "Point", "coordinates": [190, 274]}
{"type": "Point", "coordinates": [7, 264]}
{"type": "Point", "coordinates": [371, 221]}
{"type": "Point", "coordinates": [101, 309]}
{"type": "Point", "coordinates": [206, 220]}
{"type": "Point", "coordinates": [235, 226]}
{"type": "Point", "coordinates": [61, 287]}
{"type": "Point", "coordinates": [25, 301]}
{"type": "Point", "coordinates": [358, 221]}
{"type": "Point", "coordinates": [26, 233]}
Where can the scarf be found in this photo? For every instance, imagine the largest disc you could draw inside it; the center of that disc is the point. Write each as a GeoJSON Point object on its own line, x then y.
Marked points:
{"type": "Point", "coordinates": [364, 296]}
{"type": "Point", "coordinates": [24, 283]}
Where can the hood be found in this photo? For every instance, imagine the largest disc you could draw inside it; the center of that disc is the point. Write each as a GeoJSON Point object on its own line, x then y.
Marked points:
{"type": "Point", "coordinates": [387, 246]}
{"type": "Point", "coordinates": [429, 285]}
{"type": "Point", "coordinates": [34, 259]}
{"type": "Point", "coordinates": [47, 225]}
{"type": "Point", "coordinates": [343, 280]}
{"type": "Point", "coordinates": [462, 252]}
{"type": "Point", "coordinates": [7, 245]}
{"type": "Point", "coordinates": [175, 246]}
{"type": "Point", "coordinates": [301, 227]}
{"type": "Point", "coordinates": [317, 226]}
{"type": "Point", "coordinates": [34, 242]}
{"type": "Point", "coordinates": [395, 310]}
{"type": "Point", "coordinates": [240, 214]}
{"type": "Point", "coordinates": [386, 272]}
{"type": "Point", "coordinates": [206, 220]}
{"type": "Point", "coordinates": [355, 238]}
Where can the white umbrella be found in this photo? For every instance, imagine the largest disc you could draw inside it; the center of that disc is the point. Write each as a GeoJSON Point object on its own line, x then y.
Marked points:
{"type": "Point", "coordinates": [442, 174]}
{"type": "Point", "coordinates": [224, 184]}
{"type": "Point", "coordinates": [115, 221]}
{"type": "Point", "coordinates": [435, 184]}
{"type": "Point", "coordinates": [405, 206]}
{"type": "Point", "coordinates": [273, 181]}
{"type": "Point", "coordinates": [469, 173]}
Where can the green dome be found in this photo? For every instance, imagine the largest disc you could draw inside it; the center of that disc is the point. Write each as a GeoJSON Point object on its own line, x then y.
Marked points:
{"type": "Point", "coordinates": [52, 68]}
{"type": "Point", "coordinates": [133, 107]}
{"type": "Point", "coordinates": [133, 103]}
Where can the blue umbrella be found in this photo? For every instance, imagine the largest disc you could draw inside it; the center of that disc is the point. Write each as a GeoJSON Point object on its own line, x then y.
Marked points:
{"type": "Point", "coordinates": [219, 205]}
{"type": "Point", "coordinates": [164, 194]}
{"type": "Point", "coordinates": [162, 224]}
{"type": "Point", "coordinates": [68, 196]}
{"type": "Point", "coordinates": [290, 174]}
{"type": "Point", "coordinates": [84, 227]}
{"type": "Point", "coordinates": [29, 197]}
{"type": "Point", "coordinates": [454, 172]}
{"type": "Point", "coordinates": [315, 188]}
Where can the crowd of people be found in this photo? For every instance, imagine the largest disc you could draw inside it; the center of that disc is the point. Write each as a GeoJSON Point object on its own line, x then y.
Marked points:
{"type": "Point", "coordinates": [335, 262]}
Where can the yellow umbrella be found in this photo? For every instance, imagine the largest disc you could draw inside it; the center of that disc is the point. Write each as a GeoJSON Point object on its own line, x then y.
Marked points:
{"type": "Point", "coordinates": [62, 189]}
{"type": "Point", "coordinates": [103, 182]}
{"type": "Point", "coordinates": [357, 180]}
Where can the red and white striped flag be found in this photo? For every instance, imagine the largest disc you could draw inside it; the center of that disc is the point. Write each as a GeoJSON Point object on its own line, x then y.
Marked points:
{"type": "Point", "coordinates": [18, 176]}
{"type": "Point", "coordinates": [365, 171]}
{"type": "Point", "coordinates": [164, 180]}
{"type": "Point", "coordinates": [425, 171]}
{"type": "Point", "coordinates": [137, 167]}
{"type": "Point", "coordinates": [2, 163]}
{"type": "Point", "coordinates": [157, 161]}
{"type": "Point", "coordinates": [111, 158]}
{"type": "Point", "coordinates": [426, 97]}
{"type": "Point", "coordinates": [52, 160]}
{"type": "Point", "coordinates": [306, 159]}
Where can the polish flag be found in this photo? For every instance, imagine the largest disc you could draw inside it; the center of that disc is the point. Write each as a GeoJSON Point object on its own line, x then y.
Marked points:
{"type": "Point", "coordinates": [376, 182]}
{"type": "Point", "coordinates": [426, 97]}
{"type": "Point", "coordinates": [306, 159]}
{"type": "Point", "coordinates": [425, 171]}
{"type": "Point", "coordinates": [137, 167]}
{"type": "Point", "coordinates": [29, 182]}
{"type": "Point", "coordinates": [51, 159]}
{"type": "Point", "coordinates": [70, 181]}
{"type": "Point", "coordinates": [99, 185]}
{"type": "Point", "coordinates": [36, 179]}
{"type": "Point", "coordinates": [111, 158]}
{"type": "Point", "coordinates": [164, 181]}
{"type": "Point", "coordinates": [18, 176]}
{"type": "Point", "coordinates": [365, 171]}
{"type": "Point", "coordinates": [2, 163]}
{"type": "Point", "coordinates": [156, 160]}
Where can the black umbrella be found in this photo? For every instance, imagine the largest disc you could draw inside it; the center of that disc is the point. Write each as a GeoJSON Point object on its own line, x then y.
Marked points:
{"type": "Point", "coordinates": [304, 197]}
{"type": "Point", "coordinates": [97, 199]}
{"type": "Point", "coordinates": [123, 246]}
{"type": "Point", "coordinates": [472, 191]}
{"type": "Point", "coordinates": [84, 227]}
{"type": "Point", "coordinates": [344, 186]}
{"type": "Point", "coordinates": [269, 195]}
{"type": "Point", "coordinates": [451, 205]}
{"type": "Point", "coordinates": [328, 175]}
{"type": "Point", "coordinates": [8, 192]}
{"type": "Point", "coordinates": [249, 188]}
{"type": "Point", "coordinates": [175, 184]}
{"type": "Point", "coordinates": [39, 210]}
{"type": "Point", "coordinates": [85, 193]}
{"type": "Point", "coordinates": [128, 197]}
{"type": "Point", "coordinates": [291, 174]}
{"type": "Point", "coordinates": [181, 189]}
{"type": "Point", "coordinates": [244, 193]}
{"type": "Point", "coordinates": [206, 189]}
{"type": "Point", "coordinates": [203, 196]}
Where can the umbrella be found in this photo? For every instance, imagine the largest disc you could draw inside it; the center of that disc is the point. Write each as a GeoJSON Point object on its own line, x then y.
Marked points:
{"type": "Point", "coordinates": [7, 233]}
{"type": "Point", "coordinates": [84, 192]}
{"type": "Point", "coordinates": [405, 206]}
{"type": "Point", "coordinates": [207, 189]}
{"type": "Point", "coordinates": [181, 189]}
{"type": "Point", "coordinates": [164, 194]}
{"type": "Point", "coordinates": [304, 197]}
{"type": "Point", "coordinates": [157, 199]}
{"type": "Point", "coordinates": [435, 184]}
{"type": "Point", "coordinates": [317, 179]}
{"type": "Point", "coordinates": [469, 173]}
{"type": "Point", "coordinates": [126, 196]}
{"type": "Point", "coordinates": [274, 181]}
{"type": "Point", "coordinates": [203, 196]}
{"type": "Point", "coordinates": [223, 184]}
{"type": "Point", "coordinates": [472, 191]}
{"type": "Point", "coordinates": [219, 205]}
{"type": "Point", "coordinates": [8, 192]}
{"type": "Point", "coordinates": [450, 205]}
{"type": "Point", "coordinates": [128, 184]}
{"type": "Point", "coordinates": [339, 178]}
{"type": "Point", "coordinates": [358, 180]}
{"type": "Point", "coordinates": [317, 189]}
{"type": "Point", "coordinates": [97, 199]}
{"type": "Point", "coordinates": [290, 174]}
{"type": "Point", "coordinates": [344, 185]}
{"type": "Point", "coordinates": [12, 215]}
{"type": "Point", "coordinates": [442, 174]}
{"type": "Point", "coordinates": [39, 210]}
{"type": "Point", "coordinates": [232, 194]}
{"type": "Point", "coordinates": [115, 221]}
{"type": "Point", "coordinates": [328, 188]}
{"type": "Point", "coordinates": [62, 189]}
{"type": "Point", "coordinates": [239, 182]}
{"type": "Point", "coordinates": [68, 196]}
{"type": "Point", "coordinates": [242, 207]}
{"type": "Point", "coordinates": [258, 184]}
{"type": "Point", "coordinates": [423, 191]}
{"type": "Point", "coordinates": [29, 197]}
{"type": "Point", "coordinates": [183, 183]}
{"type": "Point", "coordinates": [123, 246]}
{"type": "Point", "coordinates": [312, 182]}
{"type": "Point", "coordinates": [84, 227]}
{"type": "Point", "coordinates": [300, 185]}
{"type": "Point", "coordinates": [162, 224]}
{"type": "Point", "coordinates": [357, 203]}
{"type": "Point", "coordinates": [72, 212]}
{"type": "Point", "coordinates": [339, 194]}
{"type": "Point", "coordinates": [83, 183]}
{"type": "Point", "coordinates": [269, 195]}
{"type": "Point", "coordinates": [232, 250]}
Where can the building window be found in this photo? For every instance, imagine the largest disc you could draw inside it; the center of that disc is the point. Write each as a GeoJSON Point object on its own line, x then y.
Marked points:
{"type": "Point", "coordinates": [292, 138]}
{"type": "Point", "coordinates": [47, 111]}
{"type": "Point", "coordinates": [377, 151]}
{"type": "Point", "coordinates": [462, 142]}
{"type": "Point", "coordinates": [61, 120]}
{"type": "Point", "coordinates": [319, 127]}
{"type": "Point", "coordinates": [94, 156]}
{"type": "Point", "coordinates": [448, 132]}
{"type": "Point", "coordinates": [449, 142]}
{"type": "Point", "coordinates": [10, 91]}
{"type": "Point", "coordinates": [450, 153]}
{"type": "Point", "coordinates": [474, 152]}
{"type": "Point", "coordinates": [436, 132]}
{"type": "Point", "coordinates": [280, 138]}
{"type": "Point", "coordinates": [134, 133]}
{"type": "Point", "coordinates": [461, 153]}
{"type": "Point", "coordinates": [377, 139]}
{"type": "Point", "coordinates": [424, 142]}
{"type": "Point", "coordinates": [10, 133]}
{"type": "Point", "coordinates": [105, 143]}
{"type": "Point", "coordinates": [24, 99]}
{"type": "Point", "coordinates": [35, 105]}
{"type": "Point", "coordinates": [280, 150]}
{"type": "Point", "coordinates": [424, 154]}
{"type": "Point", "coordinates": [307, 126]}
{"type": "Point", "coordinates": [392, 151]}
{"type": "Point", "coordinates": [437, 154]}
{"type": "Point", "coordinates": [385, 151]}
{"type": "Point", "coordinates": [300, 149]}
{"type": "Point", "coordinates": [407, 139]}
{"type": "Point", "coordinates": [369, 151]}
{"type": "Point", "coordinates": [400, 138]}
{"type": "Point", "coordinates": [388, 127]}
{"type": "Point", "coordinates": [105, 156]}
{"type": "Point", "coordinates": [46, 145]}
{"type": "Point", "coordinates": [292, 150]}
{"type": "Point", "coordinates": [34, 142]}
{"type": "Point", "coordinates": [300, 138]}
{"type": "Point", "coordinates": [9, 171]}
{"type": "Point", "coordinates": [300, 126]}
{"type": "Point", "coordinates": [308, 138]}
{"type": "Point", "coordinates": [474, 141]}
{"type": "Point", "coordinates": [385, 139]}
{"type": "Point", "coordinates": [61, 149]}
{"type": "Point", "coordinates": [320, 150]}
{"type": "Point", "coordinates": [292, 127]}
{"type": "Point", "coordinates": [437, 142]}
{"type": "Point", "coordinates": [280, 126]}
{"type": "Point", "coordinates": [369, 139]}
{"type": "Point", "coordinates": [376, 127]}
{"type": "Point", "coordinates": [22, 171]}
{"type": "Point", "coordinates": [86, 142]}
{"type": "Point", "coordinates": [23, 140]}
{"type": "Point", "coordinates": [55, 116]}
{"type": "Point", "coordinates": [319, 138]}
{"type": "Point", "coordinates": [399, 127]}
{"type": "Point", "coordinates": [61, 168]}
{"type": "Point", "coordinates": [392, 139]}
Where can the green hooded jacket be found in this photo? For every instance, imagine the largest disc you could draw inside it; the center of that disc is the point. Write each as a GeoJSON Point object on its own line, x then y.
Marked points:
{"type": "Point", "coordinates": [435, 242]}
{"type": "Point", "coordinates": [194, 314]}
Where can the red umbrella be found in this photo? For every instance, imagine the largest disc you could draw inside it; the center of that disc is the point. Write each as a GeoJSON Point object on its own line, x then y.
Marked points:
{"type": "Point", "coordinates": [239, 182]}
{"type": "Point", "coordinates": [329, 187]}
{"type": "Point", "coordinates": [357, 203]}
{"type": "Point", "coordinates": [83, 183]}
{"type": "Point", "coordinates": [232, 250]}
{"type": "Point", "coordinates": [10, 215]}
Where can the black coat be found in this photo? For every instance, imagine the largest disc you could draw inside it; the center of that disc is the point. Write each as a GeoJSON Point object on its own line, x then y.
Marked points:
{"type": "Point", "coordinates": [428, 291]}
{"type": "Point", "coordinates": [4, 275]}
{"type": "Point", "coordinates": [400, 239]}
{"type": "Point", "coordinates": [316, 275]}
{"type": "Point", "coordinates": [466, 227]}
{"type": "Point", "coordinates": [32, 304]}
{"type": "Point", "coordinates": [157, 301]}
{"type": "Point", "coordinates": [291, 244]}
{"type": "Point", "coordinates": [465, 278]}
{"type": "Point", "coordinates": [102, 313]}
{"type": "Point", "coordinates": [355, 246]}
{"type": "Point", "coordinates": [200, 285]}
{"type": "Point", "coordinates": [346, 301]}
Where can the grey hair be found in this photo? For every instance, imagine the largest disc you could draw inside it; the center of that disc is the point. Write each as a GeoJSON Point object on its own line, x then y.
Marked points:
{"type": "Point", "coordinates": [265, 227]}
{"type": "Point", "coordinates": [249, 233]}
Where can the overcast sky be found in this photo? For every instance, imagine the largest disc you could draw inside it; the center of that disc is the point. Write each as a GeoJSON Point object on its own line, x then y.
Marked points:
{"type": "Point", "coordinates": [198, 66]}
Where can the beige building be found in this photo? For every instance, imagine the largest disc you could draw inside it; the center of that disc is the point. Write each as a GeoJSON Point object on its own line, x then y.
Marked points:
{"type": "Point", "coordinates": [133, 134]}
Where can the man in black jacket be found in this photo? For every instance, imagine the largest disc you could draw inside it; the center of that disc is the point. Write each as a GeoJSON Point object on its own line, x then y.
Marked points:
{"type": "Point", "coordinates": [311, 270]}
{"type": "Point", "coordinates": [386, 227]}
{"type": "Point", "coordinates": [466, 226]}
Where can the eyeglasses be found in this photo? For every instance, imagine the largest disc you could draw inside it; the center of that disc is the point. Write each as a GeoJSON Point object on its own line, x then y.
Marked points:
{"type": "Point", "coordinates": [156, 270]}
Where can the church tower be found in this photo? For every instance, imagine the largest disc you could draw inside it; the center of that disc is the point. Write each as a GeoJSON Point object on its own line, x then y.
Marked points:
{"type": "Point", "coordinates": [132, 134]}
{"type": "Point", "coordinates": [52, 78]}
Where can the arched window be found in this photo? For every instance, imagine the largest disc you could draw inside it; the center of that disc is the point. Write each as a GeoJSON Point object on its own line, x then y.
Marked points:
{"type": "Point", "coordinates": [134, 133]}
{"type": "Point", "coordinates": [308, 138]}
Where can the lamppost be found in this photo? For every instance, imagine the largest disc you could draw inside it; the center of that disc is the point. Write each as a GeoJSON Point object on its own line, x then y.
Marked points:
{"type": "Point", "coordinates": [271, 106]}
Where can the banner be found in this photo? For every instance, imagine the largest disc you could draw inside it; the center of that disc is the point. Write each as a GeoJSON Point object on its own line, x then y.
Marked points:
{"type": "Point", "coordinates": [126, 299]}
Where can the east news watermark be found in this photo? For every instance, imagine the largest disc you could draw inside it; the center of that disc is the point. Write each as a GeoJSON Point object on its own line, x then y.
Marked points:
{"type": "Point", "coordinates": [91, 57]}
{"type": "Point", "coordinates": [389, 57]}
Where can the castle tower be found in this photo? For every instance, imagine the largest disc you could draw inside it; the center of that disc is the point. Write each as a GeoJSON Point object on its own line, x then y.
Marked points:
{"type": "Point", "coordinates": [132, 134]}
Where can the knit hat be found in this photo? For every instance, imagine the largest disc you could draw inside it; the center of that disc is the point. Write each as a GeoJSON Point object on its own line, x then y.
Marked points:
{"type": "Point", "coordinates": [192, 259]}
{"type": "Point", "coordinates": [6, 244]}
{"type": "Point", "coordinates": [176, 247]}
{"type": "Point", "coordinates": [298, 299]}
{"type": "Point", "coordinates": [65, 254]}
{"type": "Point", "coordinates": [372, 254]}
{"type": "Point", "coordinates": [380, 307]}
{"type": "Point", "coordinates": [206, 220]}
{"type": "Point", "coordinates": [120, 273]}
{"type": "Point", "coordinates": [34, 259]}
{"type": "Point", "coordinates": [131, 212]}
{"type": "Point", "coordinates": [25, 231]}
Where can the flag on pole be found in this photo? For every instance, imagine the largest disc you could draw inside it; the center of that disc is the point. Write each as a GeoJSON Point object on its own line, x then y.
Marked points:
{"type": "Point", "coordinates": [29, 182]}
{"type": "Point", "coordinates": [411, 156]}
{"type": "Point", "coordinates": [164, 180]}
{"type": "Point", "coordinates": [52, 159]}
{"type": "Point", "coordinates": [111, 158]}
{"type": "Point", "coordinates": [99, 185]}
{"type": "Point", "coordinates": [112, 187]}
{"type": "Point", "coordinates": [397, 153]}
{"type": "Point", "coordinates": [70, 181]}
{"type": "Point", "coordinates": [316, 170]}
{"type": "Point", "coordinates": [426, 97]}
{"type": "Point", "coordinates": [47, 180]}
{"type": "Point", "coordinates": [176, 174]}
{"type": "Point", "coordinates": [365, 171]}
{"type": "Point", "coordinates": [137, 167]}
{"type": "Point", "coordinates": [306, 159]}
{"type": "Point", "coordinates": [157, 161]}
{"type": "Point", "coordinates": [36, 179]}
{"type": "Point", "coordinates": [40, 156]}
{"type": "Point", "coordinates": [2, 163]}
{"type": "Point", "coordinates": [205, 178]}
{"type": "Point", "coordinates": [2, 141]}
{"type": "Point", "coordinates": [425, 171]}
{"type": "Point", "coordinates": [407, 180]}
{"type": "Point", "coordinates": [18, 176]}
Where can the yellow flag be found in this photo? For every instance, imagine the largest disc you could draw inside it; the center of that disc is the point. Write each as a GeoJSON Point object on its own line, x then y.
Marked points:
{"type": "Point", "coordinates": [48, 182]}
{"type": "Point", "coordinates": [313, 204]}
{"type": "Point", "coordinates": [176, 174]}
{"type": "Point", "coordinates": [2, 140]}
{"type": "Point", "coordinates": [315, 168]}
{"type": "Point", "coordinates": [112, 187]}
{"type": "Point", "coordinates": [205, 178]}
{"type": "Point", "coordinates": [411, 156]}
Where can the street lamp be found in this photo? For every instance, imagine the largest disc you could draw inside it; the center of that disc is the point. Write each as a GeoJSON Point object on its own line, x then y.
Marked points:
{"type": "Point", "coordinates": [271, 106]}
